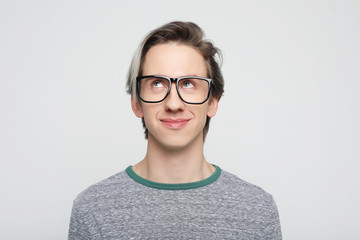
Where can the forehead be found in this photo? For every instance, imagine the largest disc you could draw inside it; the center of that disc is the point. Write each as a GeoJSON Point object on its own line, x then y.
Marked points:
{"type": "Point", "coordinates": [174, 60]}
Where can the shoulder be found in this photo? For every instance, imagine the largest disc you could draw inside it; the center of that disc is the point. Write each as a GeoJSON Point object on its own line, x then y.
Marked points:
{"type": "Point", "coordinates": [250, 200]}
{"type": "Point", "coordinates": [252, 203]}
{"type": "Point", "coordinates": [233, 186]}
{"type": "Point", "coordinates": [104, 190]}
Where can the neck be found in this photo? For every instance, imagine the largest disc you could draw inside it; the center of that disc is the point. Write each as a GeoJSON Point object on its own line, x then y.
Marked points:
{"type": "Point", "coordinates": [174, 165]}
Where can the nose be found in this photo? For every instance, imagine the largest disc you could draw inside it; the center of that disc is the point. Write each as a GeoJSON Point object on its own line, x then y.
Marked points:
{"type": "Point", "coordinates": [173, 101]}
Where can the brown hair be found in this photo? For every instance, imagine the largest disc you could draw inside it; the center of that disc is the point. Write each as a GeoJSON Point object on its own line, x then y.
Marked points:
{"type": "Point", "coordinates": [186, 33]}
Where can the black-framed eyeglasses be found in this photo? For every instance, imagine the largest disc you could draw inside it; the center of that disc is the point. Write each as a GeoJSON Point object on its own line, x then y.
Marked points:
{"type": "Point", "coordinates": [155, 88]}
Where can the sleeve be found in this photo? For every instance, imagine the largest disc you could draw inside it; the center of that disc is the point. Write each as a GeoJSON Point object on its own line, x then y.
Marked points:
{"type": "Point", "coordinates": [272, 230]}
{"type": "Point", "coordinates": [78, 229]}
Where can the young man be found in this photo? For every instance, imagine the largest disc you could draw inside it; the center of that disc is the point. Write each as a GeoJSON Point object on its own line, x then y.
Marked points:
{"type": "Point", "coordinates": [175, 84]}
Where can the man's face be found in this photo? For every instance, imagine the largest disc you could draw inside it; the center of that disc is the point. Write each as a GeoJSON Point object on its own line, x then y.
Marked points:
{"type": "Point", "coordinates": [173, 123]}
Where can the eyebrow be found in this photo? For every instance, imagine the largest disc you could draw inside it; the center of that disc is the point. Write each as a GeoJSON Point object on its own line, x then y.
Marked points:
{"type": "Point", "coordinates": [189, 75]}
{"type": "Point", "coordinates": [192, 75]}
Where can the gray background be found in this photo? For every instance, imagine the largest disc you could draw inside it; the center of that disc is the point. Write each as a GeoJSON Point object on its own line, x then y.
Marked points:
{"type": "Point", "coordinates": [289, 120]}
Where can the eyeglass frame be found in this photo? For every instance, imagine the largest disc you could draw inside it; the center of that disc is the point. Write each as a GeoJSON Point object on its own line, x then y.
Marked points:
{"type": "Point", "coordinates": [171, 80]}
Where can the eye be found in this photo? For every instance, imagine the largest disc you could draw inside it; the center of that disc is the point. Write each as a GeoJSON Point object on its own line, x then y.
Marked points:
{"type": "Point", "coordinates": [187, 84]}
{"type": "Point", "coordinates": [157, 84]}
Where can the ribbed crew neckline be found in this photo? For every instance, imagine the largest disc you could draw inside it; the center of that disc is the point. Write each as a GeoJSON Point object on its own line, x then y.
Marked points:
{"type": "Point", "coordinates": [174, 186]}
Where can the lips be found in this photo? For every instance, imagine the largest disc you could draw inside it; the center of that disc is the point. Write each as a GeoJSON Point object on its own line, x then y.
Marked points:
{"type": "Point", "coordinates": [175, 123]}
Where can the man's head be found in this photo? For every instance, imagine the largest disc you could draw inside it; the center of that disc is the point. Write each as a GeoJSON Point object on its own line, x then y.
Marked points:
{"type": "Point", "coordinates": [186, 34]}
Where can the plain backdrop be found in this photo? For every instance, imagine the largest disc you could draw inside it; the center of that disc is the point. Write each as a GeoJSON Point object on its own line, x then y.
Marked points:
{"type": "Point", "coordinates": [289, 120]}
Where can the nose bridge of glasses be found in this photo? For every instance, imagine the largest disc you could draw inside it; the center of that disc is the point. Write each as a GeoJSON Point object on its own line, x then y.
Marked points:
{"type": "Point", "coordinates": [173, 80]}
{"type": "Point", "coordinates": [173, 88]}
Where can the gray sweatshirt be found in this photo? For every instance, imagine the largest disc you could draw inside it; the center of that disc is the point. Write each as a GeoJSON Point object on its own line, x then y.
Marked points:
{"type": "Point", "coordinates": [127, 206]}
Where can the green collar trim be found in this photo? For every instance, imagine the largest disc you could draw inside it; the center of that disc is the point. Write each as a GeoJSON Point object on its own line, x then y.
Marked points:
{"type": "Point", "coordinates": [174, 186]}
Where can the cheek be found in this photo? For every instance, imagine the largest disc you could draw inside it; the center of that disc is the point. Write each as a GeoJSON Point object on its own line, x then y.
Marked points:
{"type": "Point", "coordinates": [150, 114]}
{"type": "Point", "coordinates": [201, 114]}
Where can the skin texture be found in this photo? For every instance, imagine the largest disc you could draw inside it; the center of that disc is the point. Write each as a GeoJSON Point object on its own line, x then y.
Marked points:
{"type": "Point", "coordinates": [175, 140]}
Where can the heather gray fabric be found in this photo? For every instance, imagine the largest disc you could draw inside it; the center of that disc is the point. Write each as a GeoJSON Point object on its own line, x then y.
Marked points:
{"type": "Point", "coordinates": [226, 208]}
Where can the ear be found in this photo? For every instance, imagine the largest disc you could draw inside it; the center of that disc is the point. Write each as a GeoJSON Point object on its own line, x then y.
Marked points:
{"type": "Point", "coordinates": [136, 107]}
{"type": "Point", "coordinates": [213, 106]}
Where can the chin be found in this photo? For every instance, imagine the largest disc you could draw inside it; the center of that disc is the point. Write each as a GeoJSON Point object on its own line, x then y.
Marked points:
{"type": "Point", "coordinates": [176, 142]}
